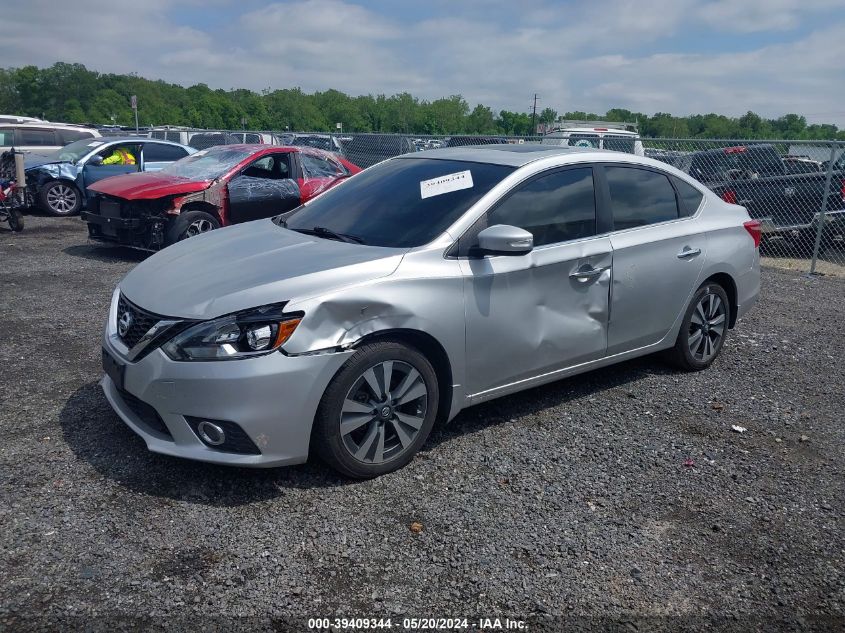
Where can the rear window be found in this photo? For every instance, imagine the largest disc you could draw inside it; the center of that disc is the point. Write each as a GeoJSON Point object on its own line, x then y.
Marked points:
{"type": "Point", "coordinates": [400, 203]}
{"type": "Point", "coordinates": [690, 197]}
{"type": "Point", "coordinates": [156, 153]}
{"type": "Point", "coordinates": [639, 197]}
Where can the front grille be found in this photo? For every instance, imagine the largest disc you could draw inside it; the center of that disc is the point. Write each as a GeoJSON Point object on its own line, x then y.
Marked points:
{"type": "Point", "coordinates": [145, 412]}
{"type": "Point", "coordinates": [140, 322]}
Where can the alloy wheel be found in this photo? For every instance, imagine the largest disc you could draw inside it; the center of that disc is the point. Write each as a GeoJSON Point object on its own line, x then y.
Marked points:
{"type": "Point", "coordinates": [707, 327]}
{"type": "Point", "coordinates": [61, 198]}
{"type": "Point", "coordinates": [383, 412]}
{"type": "Point", "coordinates": [198, 226]}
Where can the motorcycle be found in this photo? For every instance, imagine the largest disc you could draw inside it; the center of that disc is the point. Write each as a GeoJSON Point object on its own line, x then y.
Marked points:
{"type": "Point", "coordinates": [12, 196]}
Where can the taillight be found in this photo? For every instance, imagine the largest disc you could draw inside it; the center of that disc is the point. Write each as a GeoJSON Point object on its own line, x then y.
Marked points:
{"type": "Point", "coordinates": [842, 189]}
{"type": "Point", "coordinates": [729, 196]}
{"type": "Point", "coordinates": [755, 230]}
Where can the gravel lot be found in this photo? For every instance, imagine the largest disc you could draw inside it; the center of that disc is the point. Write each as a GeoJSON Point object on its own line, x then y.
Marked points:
{"type": "Point", "coordinates": [568, 501]}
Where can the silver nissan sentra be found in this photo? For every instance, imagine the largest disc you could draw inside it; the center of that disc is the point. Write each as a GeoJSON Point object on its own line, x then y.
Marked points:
{"type": "Point", "coordinates": [419, 287]}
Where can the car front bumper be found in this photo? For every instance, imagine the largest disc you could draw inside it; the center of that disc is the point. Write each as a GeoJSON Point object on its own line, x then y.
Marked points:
{"type": "Point", "coordinates": [272, 398]}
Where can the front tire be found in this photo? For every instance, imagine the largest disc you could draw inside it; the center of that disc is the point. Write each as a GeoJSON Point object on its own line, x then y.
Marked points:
{"type": "Point", "coordinates": [703, 330]}
{"type": "Point", "coordinates": [377, 412]}
{"type": "Point", "coordinates": [60, 198]}
{"type": "Point", "coordinates": [15, 220]}
{"type": "Point", "coordinates": [189, 224]}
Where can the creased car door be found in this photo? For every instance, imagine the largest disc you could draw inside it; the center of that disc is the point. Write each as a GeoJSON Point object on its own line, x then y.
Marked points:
{"type": "Point", "coordinates": [530, 314]}
{"type": "Point", "coordinates": [656, 268]}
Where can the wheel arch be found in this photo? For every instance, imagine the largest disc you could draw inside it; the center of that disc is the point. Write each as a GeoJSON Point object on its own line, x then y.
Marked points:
{"type": "Point", "coordinates": [729, 286]}
{"type": "Point", "coordinates": [202, 205]}
{"type": "Point", "coordinates": [429, 347]}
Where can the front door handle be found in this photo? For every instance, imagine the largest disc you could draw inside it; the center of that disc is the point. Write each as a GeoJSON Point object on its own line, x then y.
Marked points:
{"type": "Point", "coordinates": [689, 252]}
{"type": "Point", "coordinates": [586, 272]}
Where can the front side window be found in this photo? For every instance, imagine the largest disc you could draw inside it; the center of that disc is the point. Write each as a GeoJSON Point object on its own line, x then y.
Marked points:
{"type": "Point", "coordinates": [557, 207]}
{"type": "Point", "coordinates": [399, 203]}
{"type": "Point", "coordinates": [639, 197]}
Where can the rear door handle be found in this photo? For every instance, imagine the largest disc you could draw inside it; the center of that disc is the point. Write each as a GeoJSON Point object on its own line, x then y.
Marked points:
{"type": "Point", "coordinates": [586, 272]}
{"type": "Point", "coordinates": [689, 252]}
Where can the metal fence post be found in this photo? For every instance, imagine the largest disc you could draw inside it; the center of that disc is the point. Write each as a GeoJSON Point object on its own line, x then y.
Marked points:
{"type": "Point", "coordinates": [823, 211]}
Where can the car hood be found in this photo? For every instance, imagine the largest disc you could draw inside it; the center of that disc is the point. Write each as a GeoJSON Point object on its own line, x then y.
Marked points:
{"type": "Point", "coordinates": [147, 185]}
{"type": "Point", "coordinates": [249, 265]}
{"type": "Point", "coordinates": [30, 161]}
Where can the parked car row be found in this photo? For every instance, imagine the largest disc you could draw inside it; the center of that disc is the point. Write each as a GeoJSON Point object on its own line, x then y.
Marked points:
{"type": "Point", "coordinates": [219, 186]}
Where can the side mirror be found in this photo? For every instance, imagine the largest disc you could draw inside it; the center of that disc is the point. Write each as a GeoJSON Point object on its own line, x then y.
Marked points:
{"type": "Point", "coordinates": [503, 239]}
{"type": "Point", "coordinates": [95, 160]}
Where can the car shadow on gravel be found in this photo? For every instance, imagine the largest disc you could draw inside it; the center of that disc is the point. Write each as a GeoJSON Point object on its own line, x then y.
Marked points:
{"type": "Point", "coordinates": [97, 435]}
{"type": "Point", "coordinates": [538, 399]}
{"type": "Point", "coordinates": [99, 253]}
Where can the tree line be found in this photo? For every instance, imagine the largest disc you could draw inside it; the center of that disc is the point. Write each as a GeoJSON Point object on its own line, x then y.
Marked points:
{"type": "Point", "coordinates": [72, 93]}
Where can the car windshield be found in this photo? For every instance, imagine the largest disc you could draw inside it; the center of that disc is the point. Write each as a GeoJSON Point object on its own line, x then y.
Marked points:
{"type": "Point", "coordinates": [207, 164]}
{"type": "Point", "coordinates": [399, 203]}
{"type": "Point", "coordinates": [74, 151]}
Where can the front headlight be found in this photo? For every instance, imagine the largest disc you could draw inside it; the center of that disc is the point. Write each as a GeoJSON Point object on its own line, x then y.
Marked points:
{"type": "Point", "coordinates": [243, 335]}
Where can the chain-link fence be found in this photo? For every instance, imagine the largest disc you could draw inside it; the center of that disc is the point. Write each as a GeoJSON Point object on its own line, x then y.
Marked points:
{"type": "Point", "coordinates": [795, 188]}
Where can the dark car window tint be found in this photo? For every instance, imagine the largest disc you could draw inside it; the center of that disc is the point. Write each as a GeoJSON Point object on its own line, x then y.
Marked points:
{"type": "Point", "coordinates": [639, 197]}
{"type": "Point", "coordinates": [554, 208]}
{"type": "Point", "coordinates": [36, 137]}
{"type": "Point", "coordinates": [69, 136]}
{"type": "Point", "coordinates": [383, 205]}
{"type": "Point", "coordinates": [690, 197]}
{"type": "Point", "coordinates": [156, 153]}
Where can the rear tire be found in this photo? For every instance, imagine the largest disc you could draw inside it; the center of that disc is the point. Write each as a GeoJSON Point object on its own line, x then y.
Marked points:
{"type": "Point", "coordinates": [703, 330]}
{"type": "Point", "coordinates": [189, 224]}
{"type": "Point", "coordinates": [377, 411]}
{"type": "Point", "coordinates": [60, 198]}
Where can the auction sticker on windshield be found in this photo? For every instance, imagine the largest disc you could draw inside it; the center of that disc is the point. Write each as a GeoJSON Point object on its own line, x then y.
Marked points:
{"type": "Point", "coordinates": [445, 184]}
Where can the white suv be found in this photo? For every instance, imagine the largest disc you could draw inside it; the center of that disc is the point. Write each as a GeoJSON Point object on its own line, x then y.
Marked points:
{"type": "Point", "coordinates": [42, 137]}
{"type": "Point", "coordinates": [616, 139]}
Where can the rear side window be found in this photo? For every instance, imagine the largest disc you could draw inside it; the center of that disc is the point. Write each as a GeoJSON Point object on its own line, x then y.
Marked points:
{"type": "Point", "coordinates": [7, 138]}
{"type": "Point", "coordinates": [557, 207]}
{"type": "Point", "coordinates": [155, 153]}
{"type": "Point", "coordinates": [319, 166]}
{"type": "Point", "coordinates": [690, 197]}
{"type": "Point", "coordinates": [30, 137]}
{"type": "Point", "coordinates": [639, 197]}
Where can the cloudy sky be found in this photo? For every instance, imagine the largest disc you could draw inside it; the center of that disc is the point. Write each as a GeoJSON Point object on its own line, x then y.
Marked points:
{"type": "Point", "coordinates": [678, 56]}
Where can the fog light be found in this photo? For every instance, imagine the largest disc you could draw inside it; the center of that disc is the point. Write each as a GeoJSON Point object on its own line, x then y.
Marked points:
{"type": "Point", "coordinates": [210, 433]}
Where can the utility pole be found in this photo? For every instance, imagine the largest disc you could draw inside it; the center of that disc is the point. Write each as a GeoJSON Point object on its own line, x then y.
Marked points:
{"type": "Point", "coordinates": [534, 117]}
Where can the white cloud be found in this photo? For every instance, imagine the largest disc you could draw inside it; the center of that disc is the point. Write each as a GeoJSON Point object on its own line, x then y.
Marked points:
{"type": "Point", "coordinates": [576, 55]}
{"type": "Point", "coordinates": [748, 16]}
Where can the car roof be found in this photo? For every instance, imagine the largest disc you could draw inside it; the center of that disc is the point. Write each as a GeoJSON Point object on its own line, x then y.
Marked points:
{"type": "Point", "coordinates": [135, 139]}
{"type": "Point", "coordinates": [512, 155]}
{"type": "Point", "coordinates": [50, 125]}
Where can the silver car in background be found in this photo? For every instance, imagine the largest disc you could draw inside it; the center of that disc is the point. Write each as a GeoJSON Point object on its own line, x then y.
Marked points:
{"type": "Point", "coordinates": [419, 287]}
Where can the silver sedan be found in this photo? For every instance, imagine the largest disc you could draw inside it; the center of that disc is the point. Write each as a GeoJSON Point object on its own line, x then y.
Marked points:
{"type": "Point", "coordinates": [415, 289]}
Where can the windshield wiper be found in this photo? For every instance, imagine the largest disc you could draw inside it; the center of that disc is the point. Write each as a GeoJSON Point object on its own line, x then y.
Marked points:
{"type": "Point", "coordinates": [322, 231]}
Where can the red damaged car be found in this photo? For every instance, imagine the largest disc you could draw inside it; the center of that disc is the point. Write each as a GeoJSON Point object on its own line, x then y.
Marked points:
{"type": "Point", "coordinates": [219, 186]}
